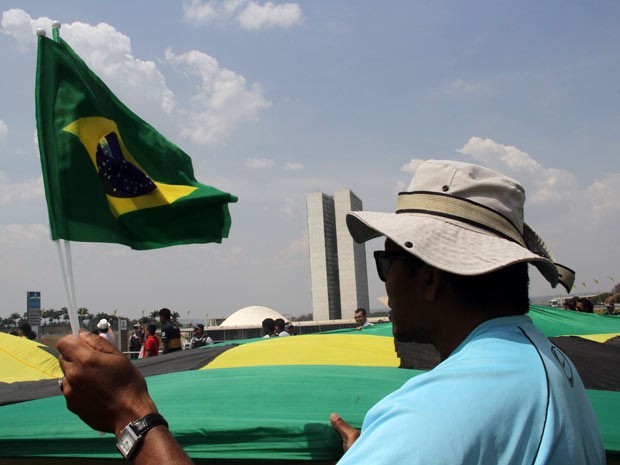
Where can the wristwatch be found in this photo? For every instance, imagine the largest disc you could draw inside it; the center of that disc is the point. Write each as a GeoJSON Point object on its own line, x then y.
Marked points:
{"type": "Point", "coordinates": [133, 434]}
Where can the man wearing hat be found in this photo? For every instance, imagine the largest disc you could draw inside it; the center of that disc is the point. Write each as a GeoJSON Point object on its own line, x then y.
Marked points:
{"type": "Point", "coordinates": [199, 338]}
{"type": "Point", "coordinates": [135, 341]}
{"type": "Point", "coordinates": [104, 330]}
{"type": "Point", "coordinates": [455, 266]}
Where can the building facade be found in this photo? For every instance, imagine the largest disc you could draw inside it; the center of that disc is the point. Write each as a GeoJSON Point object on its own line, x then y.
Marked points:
{"type": "Point", "coordinates": [337, 264]}
{"type": "Point", "coordinates": [352, 271]}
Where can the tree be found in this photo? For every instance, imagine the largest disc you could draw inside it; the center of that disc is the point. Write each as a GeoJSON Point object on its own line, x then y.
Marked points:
{"type": "Point", "coordinates": [84, 316]}
{"type": "Point", "coordinates": [14, 320]}
{"type": "Point", "coordinates": [616, 289]}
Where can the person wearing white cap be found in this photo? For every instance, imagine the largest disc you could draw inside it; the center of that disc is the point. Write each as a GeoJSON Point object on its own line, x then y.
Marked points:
{"type": "Point", "coordinates": [103, 327]}
{"type": "Point", "coordinates": [455, 266]}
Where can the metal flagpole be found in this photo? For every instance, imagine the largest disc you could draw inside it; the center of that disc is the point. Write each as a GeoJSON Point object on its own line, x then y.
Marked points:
{"type": "Point", "coordinates": [66, 263]}
{"type": "Point", "coordinates": [73, 316]}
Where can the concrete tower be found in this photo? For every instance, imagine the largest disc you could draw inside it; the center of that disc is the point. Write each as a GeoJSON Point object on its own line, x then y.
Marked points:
{"type": "Point", "coordinates": [351, 257]}
{"type": "Point", "coordinates": [337, 264]}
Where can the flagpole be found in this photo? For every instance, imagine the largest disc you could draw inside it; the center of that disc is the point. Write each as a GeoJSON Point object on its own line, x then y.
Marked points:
{"type": "Point", "coordinates": [71, 281]}
{"type": "Point", "coordinates": [73, 317]}
{"type": "Point", "coordinates": [56, 31]}
{"type": "Point", "coordinates": [66, 263]}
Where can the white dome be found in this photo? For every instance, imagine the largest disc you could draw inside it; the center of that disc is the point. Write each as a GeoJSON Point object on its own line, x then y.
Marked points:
{"type": "Point", "coordinates": [250, 316]}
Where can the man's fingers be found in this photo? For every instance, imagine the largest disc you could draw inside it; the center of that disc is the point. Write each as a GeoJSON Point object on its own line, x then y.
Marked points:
{"type": "Point", "coordinates": [66, 346]}
{"type": "Point", "coordinates": [98, 343]}
{"type": "Point", "coordinates": [347, 432]}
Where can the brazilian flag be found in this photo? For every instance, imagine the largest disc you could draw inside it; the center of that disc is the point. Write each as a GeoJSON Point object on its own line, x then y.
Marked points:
{"type": "Point", "coordinates": [109, 176]}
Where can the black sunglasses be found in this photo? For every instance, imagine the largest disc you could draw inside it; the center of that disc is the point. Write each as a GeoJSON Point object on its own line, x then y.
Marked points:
{"type": "Point", "coordinates": [383, 259]}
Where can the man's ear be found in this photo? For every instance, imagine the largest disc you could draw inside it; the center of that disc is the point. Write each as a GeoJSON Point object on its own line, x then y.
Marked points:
{"type": "Point", "coordinates": [432, 282]}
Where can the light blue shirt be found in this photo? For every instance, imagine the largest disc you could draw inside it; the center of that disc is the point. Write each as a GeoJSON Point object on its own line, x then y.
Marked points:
{"type": "Point", "coordinates": [506, 395]}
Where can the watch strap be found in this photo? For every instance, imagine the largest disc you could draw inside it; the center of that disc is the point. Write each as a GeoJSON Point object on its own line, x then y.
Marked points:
{"type": "Point", "coordinates": [133, 434]}
{"type": "Point", "coordinates": [144, 424]}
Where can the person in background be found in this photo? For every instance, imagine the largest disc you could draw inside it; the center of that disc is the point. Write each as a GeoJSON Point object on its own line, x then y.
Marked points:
{"type": "Point", "coordinates": [25, 330]}
{"type": "Point", "coordinates": [135, 341]}
{"type": "Point", "coordinates": [269, 327]}
{"type": "Point", "coordinates": [584, 305]}
{"type": "Point", "coordinates": [280, 328]}
{"type": "Point", "coordinates": [103, 327]}
{"type": "Point", "coordinates": [361, 319]}
{"type": "Point", "coordinates": [289, 328]}
{"type": "Point", "coordinates": [199, 338]}
{"type": "Point", "coordinates": [151, 344]}
{"type": "Point", "coordinates": [170, 334]}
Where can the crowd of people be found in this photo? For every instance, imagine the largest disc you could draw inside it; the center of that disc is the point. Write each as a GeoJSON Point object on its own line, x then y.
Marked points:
{"type": "Point", "coordinates": [585, 305]}
{"type": "Point", "coordinates": [277, 328]}
{"type": "Point", "coordinates": [146, 344]}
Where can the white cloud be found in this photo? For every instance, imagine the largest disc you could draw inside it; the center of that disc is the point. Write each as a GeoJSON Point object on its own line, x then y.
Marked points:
{"type": "Point", "coordinates": [223, 99]}
{"type": "Point", "coordinates": [256, 16]}
{"type": "Point", "coordinates": [108, 52]}
{"type": "Point", "coordinates": [459, 86]}
{"type": "Point", "coordinates": [297, 248]}
{"type": "Point", "coordinates": [4, 130]}
{"type": "Point", "coordinates": [293, 208]}
{"type": "Point", "coordinates": [138, 83]}
{"type": "Point", "coordinates": [199, 12]}
{"type": "Point", "coordinates": [19, 25]}
{"type": "Point", "coordinates": [292, 166]}
{"type": "Point", "coordinates": [24, 234]}
{"type": "Point", "coordinates": [259, 163]}
{"type": "Point", "coordinates": [599, 203]}
{"type": "Point", "coordinates": [411, 166]}
{"type": "Point", "coordinates": [542, 185]}
{"type": "Point", "coordinates": [12, 192]}
{"type": "Point", "coordinates": [249, 14]}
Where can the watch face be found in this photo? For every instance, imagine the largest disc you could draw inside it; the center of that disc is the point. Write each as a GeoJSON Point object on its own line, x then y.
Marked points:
{"type": "Point", "coordinates": [126, 441]}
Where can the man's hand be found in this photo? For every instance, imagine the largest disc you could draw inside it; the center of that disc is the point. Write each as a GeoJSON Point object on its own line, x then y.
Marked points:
{"type": "Point", "coordinates": [101, 385]}
{"type": "Point", "coordinates": [347, 432]}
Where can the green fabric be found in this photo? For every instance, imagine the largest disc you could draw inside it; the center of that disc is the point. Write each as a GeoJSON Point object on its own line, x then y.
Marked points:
{"type": "Point", "coordinates": [236, 413]}
{"type": "Point", "coordinates": [264, 412]}
{"type": "Point", "coordinates": [555, 322]}
{"type": "Point", "coordinates": [607, 408]}
{"type": "Point", "coordinates": [76, 115]}
{"type": "Point", "coordinates": [259, 413]}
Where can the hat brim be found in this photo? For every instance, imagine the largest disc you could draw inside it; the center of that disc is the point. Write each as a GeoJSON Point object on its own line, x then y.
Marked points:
{"type": "Point", "coordinates": [446, 244]}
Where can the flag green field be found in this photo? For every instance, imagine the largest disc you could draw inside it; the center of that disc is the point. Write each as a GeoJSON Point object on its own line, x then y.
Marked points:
{"type": "Point", "coordinates": [270, 399]}
{"type": "Point", "coordinates": [109, 176]}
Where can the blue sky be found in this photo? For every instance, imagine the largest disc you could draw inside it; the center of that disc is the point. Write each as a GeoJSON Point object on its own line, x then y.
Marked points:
{"type": "Point", "coordinates": [273, 100]}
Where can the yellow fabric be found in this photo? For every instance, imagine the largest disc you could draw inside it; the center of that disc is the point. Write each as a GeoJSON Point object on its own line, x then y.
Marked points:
{"type": "Point", "coordinates": [599, 337]}
{"type": "Point", "coordinates": [23, 360]}
{"type": "Point", "coordinates": [312, 349]}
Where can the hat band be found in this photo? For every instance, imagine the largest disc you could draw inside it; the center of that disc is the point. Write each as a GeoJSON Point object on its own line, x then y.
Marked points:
{"type": "Point", "coordinates": [458, 208]}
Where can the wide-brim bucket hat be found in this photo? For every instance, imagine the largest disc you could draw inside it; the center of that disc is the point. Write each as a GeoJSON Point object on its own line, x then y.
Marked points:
{"type": "Point", "coordinates": [462, 218]}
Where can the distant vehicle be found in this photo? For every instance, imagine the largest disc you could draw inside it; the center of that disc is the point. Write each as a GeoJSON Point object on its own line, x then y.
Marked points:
{"type": "Point", "coordinates": [554, 303]}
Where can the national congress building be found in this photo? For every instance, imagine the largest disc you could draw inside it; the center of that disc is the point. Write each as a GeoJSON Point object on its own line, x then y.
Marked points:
{"type": "Point", "coordinates": [337, 264]}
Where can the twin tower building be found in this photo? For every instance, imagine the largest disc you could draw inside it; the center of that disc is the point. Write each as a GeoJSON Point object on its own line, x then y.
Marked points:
{"type": "Point", "coordinates": [337, 263]}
